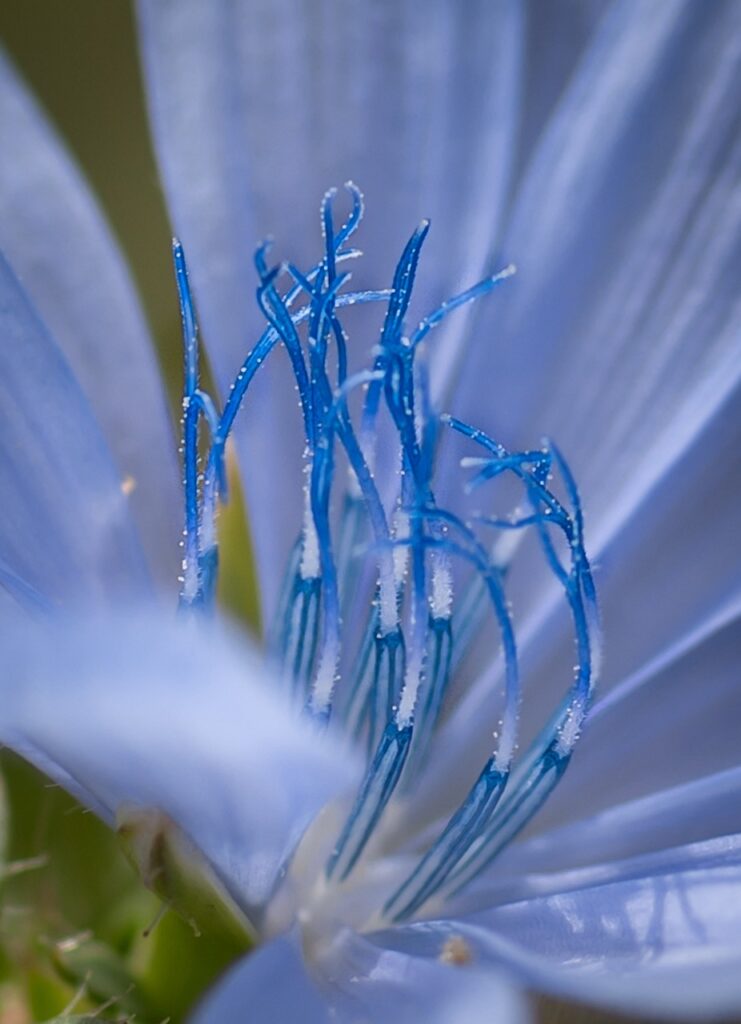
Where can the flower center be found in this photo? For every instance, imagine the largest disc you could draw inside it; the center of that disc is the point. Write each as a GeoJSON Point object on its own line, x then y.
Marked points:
{"type": "Point", "coordinates": [387, 586]}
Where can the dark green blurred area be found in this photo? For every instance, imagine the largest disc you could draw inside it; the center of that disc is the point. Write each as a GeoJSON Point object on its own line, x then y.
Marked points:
{"type": "Point", "coordinates": [76, 925]}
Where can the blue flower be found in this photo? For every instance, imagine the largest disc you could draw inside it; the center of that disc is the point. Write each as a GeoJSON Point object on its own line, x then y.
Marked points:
{"type": "Point", "coordinates": [597, 146]}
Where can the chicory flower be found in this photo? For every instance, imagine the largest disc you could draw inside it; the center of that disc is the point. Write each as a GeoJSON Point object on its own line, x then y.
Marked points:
{"type": "Point", "coordinates": [366, 864]}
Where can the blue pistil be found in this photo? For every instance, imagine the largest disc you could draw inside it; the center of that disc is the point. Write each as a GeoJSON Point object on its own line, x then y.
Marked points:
{"type": "Point", "coordinates": [392, 689]}
{"type": "Point", "coordinates": [192, 409]}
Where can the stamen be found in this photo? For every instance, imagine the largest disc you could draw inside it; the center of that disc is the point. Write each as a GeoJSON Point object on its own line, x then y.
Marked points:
{"type": "Point", "coordinates": [460, 831]}
{"type": "Point", "coordinates": [417, 445]}
{"type": "Point", "coordinates": [417, 629]}
{"type": "Point", "coordinates": [277, 314]}
{"type": "Point", "coordinates": [191, 409]}
{"type": "Point", "coordinates": [462, 299]}
{"type": "Point", "coordinates": [349, 543]}
{"type": "Point", "coordinates": [401, 293]}
{"type": "Point", "coordinates": [390, 758]}
{"type": "Point", "coordinates": [438, 662]}
{"type": "Point", "coordinates": [310, 562]}
{"type": "Point", "coordinates": [301, 632]}
{"type": "Point", "coordinates": [361, 680]}
{"type": "Point", "coordinates": [375, 793]}
{"type": "Point", "coordinates": [545, 763]}
{"type": "Point", "coordinates": [389, 670]}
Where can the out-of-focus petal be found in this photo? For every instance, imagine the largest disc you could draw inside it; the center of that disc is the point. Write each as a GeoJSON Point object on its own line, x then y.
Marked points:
{"type": "Point", "coordinates": [656, 936]}
{"type": "Point", "coordinates": [272, 984]}
{"type": "Point", "coordinates": [66, 527]}
{"type": "Point", "coordinates": [259, 108]}
{"type": "Point", "coordinates": [356, 981]}
{"type": "Point", "coordinates": [172, 715]}
{"type": "Point", "coordinates": [56, 240]}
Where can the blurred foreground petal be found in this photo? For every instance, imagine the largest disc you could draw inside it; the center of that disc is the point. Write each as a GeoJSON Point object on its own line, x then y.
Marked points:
{"type": "Point", "coordinates": [357, 981]}
{"type": "Point", "coordinates": [175, 716]}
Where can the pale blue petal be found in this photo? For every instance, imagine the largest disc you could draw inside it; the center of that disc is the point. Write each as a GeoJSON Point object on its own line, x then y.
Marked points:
{"type": "Point", "coordinates": [170, 714]}
{"type": "Point", "coordinates": [625, 314]}
{"type": "Point", "coordinates": [556, 37]}
{"type": "Point", "coordinates": [59, 245]}
{"type": "Point", "coordinates": [357, 982]}
{"type": "Point", "coordinates": [675, 561]}
{"type": "Point", "coordinates": [66, 528]}
{"type": "Point", "coordinates": [620, 336]}
{"type": "Point", "coordinates": [259, 108]}
{"type": "Point", "coordinates": [653, 936]}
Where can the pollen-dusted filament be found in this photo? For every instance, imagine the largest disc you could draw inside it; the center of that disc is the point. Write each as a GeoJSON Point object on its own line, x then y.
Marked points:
{"type": "Point", "coordinates": [387, 679]}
